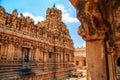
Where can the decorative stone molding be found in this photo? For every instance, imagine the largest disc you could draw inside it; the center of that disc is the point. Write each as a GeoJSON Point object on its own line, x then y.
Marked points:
{"type": "Point", "coordinates": [6, 40]}
{"type": "Point", "coordinates": [27, 46]}
{"type": "Point", "coordinates": [93, 26]}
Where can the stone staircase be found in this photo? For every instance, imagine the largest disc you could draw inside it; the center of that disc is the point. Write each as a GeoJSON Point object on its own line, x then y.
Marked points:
{"type": "Point", "coordinates": [9, 70]}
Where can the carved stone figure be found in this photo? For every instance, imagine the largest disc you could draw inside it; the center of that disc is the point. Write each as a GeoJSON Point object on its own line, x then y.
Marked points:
{"type": "Point", "coordinates": [19, 24]}
{"type": "Point", "coordinates": [8, 20]}
{"type": "Point", "coordinates": [14, 18]}
{"type": "Point", "coordinates": [2, 16]}
{"type": "Point", "coordinates": [22, 22]}
{"type": "Point", "coordinates": [30, 24]}
{"type": "Point", "coordinates": [27, 47]}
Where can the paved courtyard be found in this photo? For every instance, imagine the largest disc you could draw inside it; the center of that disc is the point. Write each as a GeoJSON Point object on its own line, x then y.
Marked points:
{"type": "Point", "coordinates": [81, 78]}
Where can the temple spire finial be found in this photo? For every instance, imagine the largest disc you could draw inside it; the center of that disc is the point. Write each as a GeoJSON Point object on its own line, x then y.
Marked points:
{"type": "Point", "coordinates": [54, 5]}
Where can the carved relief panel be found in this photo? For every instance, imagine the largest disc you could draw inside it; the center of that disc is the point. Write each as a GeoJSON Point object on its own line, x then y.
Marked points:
{"type": "Point", "coordinates": [0, 46]}
{"type": "Point", "coordinates": [116, 22]}
{"type": "Point", "coordinates": [2, 16]}
{"type": "Point", "coordinates": [5, 47]}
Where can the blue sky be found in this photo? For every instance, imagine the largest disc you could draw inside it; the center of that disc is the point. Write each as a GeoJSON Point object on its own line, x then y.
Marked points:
{"type": "Point", "coordinates": [36, 9]}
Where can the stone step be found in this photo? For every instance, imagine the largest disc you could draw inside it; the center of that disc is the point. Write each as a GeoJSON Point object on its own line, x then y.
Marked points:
{"type": "Point", "coordinates": [6, 68]}
{"type": "Point", "coordinates": [9, 70]}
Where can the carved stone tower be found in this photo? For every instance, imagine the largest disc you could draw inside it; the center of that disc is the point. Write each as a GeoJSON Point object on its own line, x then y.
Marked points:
{"type": "Point", "coordinates": [28, 51]}
{"type": "Point", "coordinates": [54, 14]}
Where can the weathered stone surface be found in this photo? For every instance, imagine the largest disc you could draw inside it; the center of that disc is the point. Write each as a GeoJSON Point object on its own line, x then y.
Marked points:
{"type": "Point", "coordinates": [100, 29]}
{"type": "Point", "coordinates": [33, 52]}
{"type": "Point", "coordinates": [80, 58]}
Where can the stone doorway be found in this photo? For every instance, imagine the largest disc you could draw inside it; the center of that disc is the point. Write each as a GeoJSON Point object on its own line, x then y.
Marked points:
{"type": "Point", "coordinates": [25, 53]}
{"type": "Point", "coordinates": [26, 68]}
{"type": "Point", "coordinates": [50, 56]}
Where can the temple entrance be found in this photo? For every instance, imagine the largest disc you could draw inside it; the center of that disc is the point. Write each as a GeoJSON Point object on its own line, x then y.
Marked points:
{"type": "Point", "coordinates": [118, 69]}
{"type": "Point", "coordinates": [50, 56]}
{"type": "Point", "coordinates": [26, 68]}
{"type": "Point", "coordinates": [25, 53]}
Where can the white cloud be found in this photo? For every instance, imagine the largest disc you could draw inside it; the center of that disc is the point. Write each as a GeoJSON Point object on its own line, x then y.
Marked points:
{"type": "Point", "coordinates": [65, 15]}
{"type": "Point", "coordinates": [35, 18]}
{"type": "Point", "coordinates": [61, 7]}
{"type": "Point", "coordinates": [83, 45]}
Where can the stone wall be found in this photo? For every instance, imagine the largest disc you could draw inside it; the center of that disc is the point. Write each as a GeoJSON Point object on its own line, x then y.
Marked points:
{"type": "Point", "coordinates": [80, 57]}
{"type": "Point", "coordinates": [100, 29]}
{"type": "Point", "coordinates": [34, 51]}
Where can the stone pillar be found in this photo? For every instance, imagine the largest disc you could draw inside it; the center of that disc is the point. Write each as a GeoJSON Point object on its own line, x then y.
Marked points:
{"type": "Point", "coordinates": [95, 30]}
{"type": "Point", "coordinates": [111, 66]}
{"type": "Point", "coordinates": [96, 59]}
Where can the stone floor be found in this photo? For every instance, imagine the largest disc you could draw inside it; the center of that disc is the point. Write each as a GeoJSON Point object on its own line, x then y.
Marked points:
{"type": "Point", "coordinates": [79, 78]}
{"type": "Point", "coordinates": [82, 78]}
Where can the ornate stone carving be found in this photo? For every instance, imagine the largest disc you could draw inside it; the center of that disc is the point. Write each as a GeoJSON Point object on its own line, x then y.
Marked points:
{"type": "Point", "coordinates": [110, 46]}
{"type": "Point", "coordinates": [116, 21]}
{"type": "Point", "coordinates": [2, 16]}
{"type": "Point", "coordinates": [93, 24]}
{"type": "Point", "coordinates": [6, 40]}
{"type": "Point", "coordinates": [34, 45]}
{"type": "Point", "coordinates": [8, 20]}
{"type": "Point", "coordinates": [30, 24]}
{"type": "Point", "coordinates": [22, 22]}
{"type": "Point", "coordinates": [15, 57]}
{"type": "Point", "coordinates": [3, 57]}
{"type": "Point", "coordinates": [0, 39]}
{"type": "Point", "coordinates": [98, 29]}
{"type": "Point", "coordinates": [17, 43]}
{"type": "Point", "coordinates": [14, 18]}
{"type": "Point", "coordinates": [25, 44]}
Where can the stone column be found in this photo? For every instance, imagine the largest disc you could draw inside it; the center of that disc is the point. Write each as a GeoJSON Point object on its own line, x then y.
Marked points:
{"type": "Point", "coordinates": [96, 59]}
{"type": "Point", "coordinates": [96, 56]}
{"type": "Point", "coordinates": [95, 31]}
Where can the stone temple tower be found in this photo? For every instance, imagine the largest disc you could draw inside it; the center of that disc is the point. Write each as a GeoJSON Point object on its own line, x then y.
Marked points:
{"type": "Point", "coordinates": [53, 13]}
{"type": "Point", "coordinates": [28, 51]}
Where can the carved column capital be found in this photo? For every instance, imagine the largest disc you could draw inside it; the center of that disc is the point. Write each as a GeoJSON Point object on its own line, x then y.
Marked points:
{"type": "Point", "coordinates": [93, 26]}
{"type": "Point", "coordinates": [98, 35]}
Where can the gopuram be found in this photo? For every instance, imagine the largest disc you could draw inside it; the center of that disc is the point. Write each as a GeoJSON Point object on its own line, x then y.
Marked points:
{"type": "Point", "coordinates": [28, 51]}
{"type": "Point", "coordinates": [101, 30]}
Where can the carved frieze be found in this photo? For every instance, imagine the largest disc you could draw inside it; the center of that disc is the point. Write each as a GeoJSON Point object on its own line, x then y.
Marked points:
{"type": "Point", "coordinates": [43, 30]}
{"type": "Point", "coordinates": [23, 22]}
{"type": "Point", "coordinates": [2, 16]}
{"type": "Point", "coordinates": [26, 45]}
{"type": "Point", "coordinates": [6, 40]}
{"type": "Point", "coordinates": [14, 17]}
{"type": "Point", "coordinates": [17, 43]}
{"type": "Point", "coordinates": [0, 39]}
{"type": "Point", "coordinates": [116, 22]}
{"type": "Point", "coordinates": [8, 20]}
{"type": "Point", "coordinates": [33, 45]}
{"type": "Point", "coordinates": [3, 57]}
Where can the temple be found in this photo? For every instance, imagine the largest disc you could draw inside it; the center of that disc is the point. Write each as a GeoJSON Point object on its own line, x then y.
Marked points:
{"type": "Point", "coordinates": [28, 51]}
{"type": "Point", "coordinates": [80, 58]}
{"type": "Point", "coordinates": [100, 29]}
